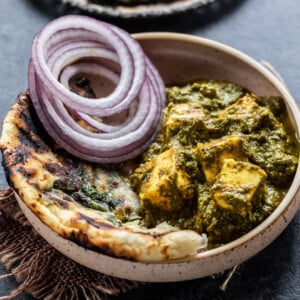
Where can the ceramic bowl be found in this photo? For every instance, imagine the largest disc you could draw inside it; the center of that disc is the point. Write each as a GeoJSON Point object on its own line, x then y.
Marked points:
{"type": "Point", "coordinates": [182, 58]}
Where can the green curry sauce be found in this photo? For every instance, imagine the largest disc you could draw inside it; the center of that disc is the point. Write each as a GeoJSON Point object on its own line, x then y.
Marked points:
{"type": "Point", "coordinates": [221, 163]}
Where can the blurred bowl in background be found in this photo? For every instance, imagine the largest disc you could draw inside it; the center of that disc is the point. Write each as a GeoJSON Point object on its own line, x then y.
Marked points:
{"type": "Point", "coordinates": [155, 9]}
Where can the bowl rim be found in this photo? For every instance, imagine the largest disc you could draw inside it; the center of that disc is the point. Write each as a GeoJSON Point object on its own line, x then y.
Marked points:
{"type": "Point", "coordinates": [291, 105]}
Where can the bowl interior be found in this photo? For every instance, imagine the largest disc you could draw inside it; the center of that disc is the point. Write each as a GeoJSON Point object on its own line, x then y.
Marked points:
{"type": "Point", "coordinates": [181, 58]}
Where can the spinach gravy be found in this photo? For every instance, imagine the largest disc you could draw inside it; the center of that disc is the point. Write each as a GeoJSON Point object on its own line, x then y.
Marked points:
{"type": "Point", "coordinates": [221, 164]}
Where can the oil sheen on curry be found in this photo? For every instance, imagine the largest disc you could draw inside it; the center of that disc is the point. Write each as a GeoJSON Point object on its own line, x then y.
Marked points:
{"type": "Point", "coordinates": [221, 164]}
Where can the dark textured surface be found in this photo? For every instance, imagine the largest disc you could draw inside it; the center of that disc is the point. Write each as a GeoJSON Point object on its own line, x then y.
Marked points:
{"type": "Point", "coordinates": [264, 29]}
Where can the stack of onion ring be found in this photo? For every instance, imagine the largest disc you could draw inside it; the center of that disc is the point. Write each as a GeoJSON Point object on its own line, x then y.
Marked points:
{"type": "Point", "coordinates": [73, 45]}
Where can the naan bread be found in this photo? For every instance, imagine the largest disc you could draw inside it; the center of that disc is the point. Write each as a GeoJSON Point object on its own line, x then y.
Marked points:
{"type": "Point", "coordinates": [55, 185]}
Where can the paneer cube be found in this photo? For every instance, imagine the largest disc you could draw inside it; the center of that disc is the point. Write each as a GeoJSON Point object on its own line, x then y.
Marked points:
{"type": "Point", "coordinates": [185, 119]}
{"type": "Point", "coordinates": [236, 185]}
{"type": "Point", "coordinates": [211, 155]}
{"type": "Point", "coordinates": [168, 186]}
{"type": "Point", "coordinates": [245, 115]}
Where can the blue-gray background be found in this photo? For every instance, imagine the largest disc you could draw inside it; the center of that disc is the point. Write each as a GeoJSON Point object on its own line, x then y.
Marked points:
{"type": "Point", "coordinates": [264, 29]}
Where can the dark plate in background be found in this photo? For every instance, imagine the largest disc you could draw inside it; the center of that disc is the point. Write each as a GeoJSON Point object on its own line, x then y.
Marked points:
{"type": "Point", "coordinates": [140, 10]}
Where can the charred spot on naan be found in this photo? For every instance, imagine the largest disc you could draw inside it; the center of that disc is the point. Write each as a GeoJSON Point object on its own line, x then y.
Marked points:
{"type": "Point", "coordinates": [30, 128]}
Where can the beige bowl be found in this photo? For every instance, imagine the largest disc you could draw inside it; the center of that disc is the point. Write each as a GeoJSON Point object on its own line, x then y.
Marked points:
{"type": "Point", "coordinates": [182, 58]}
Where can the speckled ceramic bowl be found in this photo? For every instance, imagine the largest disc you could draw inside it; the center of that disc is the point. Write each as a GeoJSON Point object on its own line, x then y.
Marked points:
{"type": "Point", "coordinates": [182, 58]}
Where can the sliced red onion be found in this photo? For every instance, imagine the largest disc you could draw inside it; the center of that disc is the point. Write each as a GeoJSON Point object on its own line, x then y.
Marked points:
{"type": "Point", "coordinates": [133, 70]}
{"type": "Point", "coordinates": [75, 45]}
{"type": "Point", "coordinates": [95, 69]}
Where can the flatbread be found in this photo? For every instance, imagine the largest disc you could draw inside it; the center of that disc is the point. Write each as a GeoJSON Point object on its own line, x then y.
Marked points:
{"type": "Point", "coordinates": [51, 183]}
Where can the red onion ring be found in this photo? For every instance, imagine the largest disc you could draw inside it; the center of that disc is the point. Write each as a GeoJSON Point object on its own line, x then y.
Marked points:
{"type": "Point", "coordinates": [75, 45]}
{"type": "Point", "coordinates": [133, 70]}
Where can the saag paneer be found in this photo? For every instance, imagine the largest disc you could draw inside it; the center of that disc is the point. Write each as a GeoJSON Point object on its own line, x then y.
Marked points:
{"type": "Point", "coordinates": [221, 163]}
